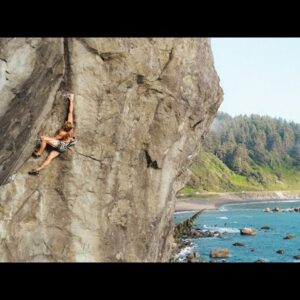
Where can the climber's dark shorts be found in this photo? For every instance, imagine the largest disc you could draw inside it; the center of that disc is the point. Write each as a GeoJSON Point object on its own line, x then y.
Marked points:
{"type": "Point", "coordinates": [61, 147]}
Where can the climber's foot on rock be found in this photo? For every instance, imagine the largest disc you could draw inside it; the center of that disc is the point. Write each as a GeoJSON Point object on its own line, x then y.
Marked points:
{"type": "Point", "coordinates": [34, 172]}
{"type": "Point", "coordinates": [36, 154]}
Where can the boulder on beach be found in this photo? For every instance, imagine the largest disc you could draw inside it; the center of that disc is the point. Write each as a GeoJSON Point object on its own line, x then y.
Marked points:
{"type": "Point", "coordinates": [247, 231]}
{"type": "Point", "coordinates": [191, 257]}
{"type": "Point", "coordinates": [210, 234]}
{"type": "Point", "coordinates": [195, 233]}
{"type": "Point", "coordinates": [237, 244]}
{"type": "Point", "coordinates": [276, 209]}
{"type": "Point", "coordinates": [288, 237]}
{"type": "Point", "coordinates": [280, 251]}
{"type": "Point", "coordinates": [267, 209]}
{"type": "Point", "coordinates": [198, 233]}
{"type": "Point", "coordinates": [219, 253]}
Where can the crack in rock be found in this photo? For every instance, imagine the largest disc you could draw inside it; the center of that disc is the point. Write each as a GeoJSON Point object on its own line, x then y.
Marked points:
{"type": "Point", "coordinates": [151, 163]}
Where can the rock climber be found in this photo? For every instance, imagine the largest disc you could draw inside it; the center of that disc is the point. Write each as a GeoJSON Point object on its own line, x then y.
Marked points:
{"type": "Point", "coordinates": [61, 143]}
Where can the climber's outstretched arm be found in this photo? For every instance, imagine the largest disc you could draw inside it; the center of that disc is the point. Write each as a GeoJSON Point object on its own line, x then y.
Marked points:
{"type": "Point", "coordinates": [71, 109]}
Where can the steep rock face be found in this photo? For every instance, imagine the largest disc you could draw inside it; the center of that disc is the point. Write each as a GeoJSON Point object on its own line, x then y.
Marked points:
{"type": "Point", "coordinates": [142, 107]}
{"type": "Point", "coordinates": [30, 73]}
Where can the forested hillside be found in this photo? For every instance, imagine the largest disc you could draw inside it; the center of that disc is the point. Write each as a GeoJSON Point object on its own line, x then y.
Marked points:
{"type": "Point", "coordinates": [247, 153]}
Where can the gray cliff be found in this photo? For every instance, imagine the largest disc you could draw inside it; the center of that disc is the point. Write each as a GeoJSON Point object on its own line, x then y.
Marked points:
{"type": "Point", "coordinates": [142, 107]}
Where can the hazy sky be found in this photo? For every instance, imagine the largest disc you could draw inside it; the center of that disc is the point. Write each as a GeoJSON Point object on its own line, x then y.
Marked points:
{"type": "Point", "coordinates": [259, 75]}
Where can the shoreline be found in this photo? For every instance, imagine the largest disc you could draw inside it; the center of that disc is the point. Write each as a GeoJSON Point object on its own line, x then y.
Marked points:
{"type": "Point", "coordinates": [215, 200]}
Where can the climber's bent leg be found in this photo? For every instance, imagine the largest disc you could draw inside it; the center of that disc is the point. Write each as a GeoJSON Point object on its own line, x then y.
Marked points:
{"type": "Point", "coordinates": [51, 156]}
{"type": "Point", "coordinates": [44, 141]}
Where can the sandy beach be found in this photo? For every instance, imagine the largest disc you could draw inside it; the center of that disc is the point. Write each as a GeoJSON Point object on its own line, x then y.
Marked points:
{"type": "Point", "coordinates": [215, 200]}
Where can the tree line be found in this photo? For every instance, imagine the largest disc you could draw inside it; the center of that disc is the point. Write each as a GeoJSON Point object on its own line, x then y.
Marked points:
{"type": "Point", "coordinates": [243, 142]}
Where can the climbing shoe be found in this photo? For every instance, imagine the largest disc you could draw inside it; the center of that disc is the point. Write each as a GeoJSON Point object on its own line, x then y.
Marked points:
{"type": "Point", "coordinates": [36, 155]}
{"type": "Point", "coordinates": [34, 172]}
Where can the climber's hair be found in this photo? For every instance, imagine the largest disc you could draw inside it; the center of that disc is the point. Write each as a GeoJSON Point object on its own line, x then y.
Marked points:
{"type": "Point", "coordinates": [68, 126]}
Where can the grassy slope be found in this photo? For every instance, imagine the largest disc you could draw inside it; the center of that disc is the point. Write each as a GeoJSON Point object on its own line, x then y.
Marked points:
{"type": "Point", "coordinates": [211, 175]}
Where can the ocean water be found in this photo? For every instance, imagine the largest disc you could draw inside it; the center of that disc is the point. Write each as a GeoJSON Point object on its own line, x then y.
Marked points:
{"type": "Point", "coordinates": [231, 217]}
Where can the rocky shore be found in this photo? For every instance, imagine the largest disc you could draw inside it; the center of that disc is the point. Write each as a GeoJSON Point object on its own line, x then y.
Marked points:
{"type": "Point", "coordinates": [186, 233]}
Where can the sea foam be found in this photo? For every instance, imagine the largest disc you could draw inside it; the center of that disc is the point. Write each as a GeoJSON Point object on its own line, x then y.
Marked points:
{"type": "Point", "coordinates": [181, 256]}
{"type": "Point", "coordinates": [222, 229]}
